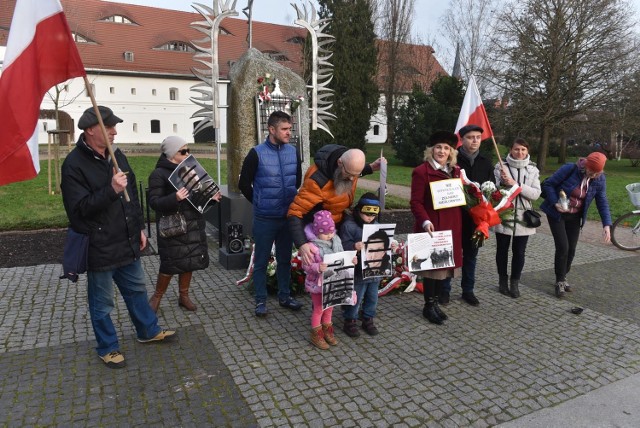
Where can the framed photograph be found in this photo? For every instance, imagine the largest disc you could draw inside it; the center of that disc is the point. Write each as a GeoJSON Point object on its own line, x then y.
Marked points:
{"type": "Point", "coordinates": [376, 252]}
{"type": "Point", "coordinates": [190, 174]}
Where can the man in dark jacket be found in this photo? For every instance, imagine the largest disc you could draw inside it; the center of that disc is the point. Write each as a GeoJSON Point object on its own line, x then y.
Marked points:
{"type": "Point", "coordinates": [478, 168]}
{"type": "Point", "coordinates": [93, 197]}
{"type": "Point", "coordinates": [270, 176]}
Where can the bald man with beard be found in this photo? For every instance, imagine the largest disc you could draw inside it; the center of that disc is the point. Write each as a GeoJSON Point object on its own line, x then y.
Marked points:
{"type": "Point", "coordinates": [329, 184]}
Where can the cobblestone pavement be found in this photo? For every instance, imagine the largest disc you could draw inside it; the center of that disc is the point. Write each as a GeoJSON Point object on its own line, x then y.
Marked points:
{"type": "Point", "coordinates": [489, 364]}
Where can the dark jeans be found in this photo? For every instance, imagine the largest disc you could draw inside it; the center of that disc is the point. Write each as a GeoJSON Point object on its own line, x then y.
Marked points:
{"type": "Point", "coordinates": [267, 231]}
{"type": "Point", "coordinates": [502, 254]}
{"type": "Point", "coordinates": [566, 232]}
{"type": "Point", "coordinates": [469, 257]}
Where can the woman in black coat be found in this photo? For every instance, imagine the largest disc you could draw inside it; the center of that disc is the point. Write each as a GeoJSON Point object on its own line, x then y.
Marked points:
{"type": "Point", "coordinates": [185, 253]}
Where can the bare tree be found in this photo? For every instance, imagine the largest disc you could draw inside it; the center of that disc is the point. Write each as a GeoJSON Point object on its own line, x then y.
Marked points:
{"type": "Point", "coordinates": [468, 25]}
{"type": "Point", "coordinates": [393, 22]}
{"type": "Point", "coordinates": [561, 58]}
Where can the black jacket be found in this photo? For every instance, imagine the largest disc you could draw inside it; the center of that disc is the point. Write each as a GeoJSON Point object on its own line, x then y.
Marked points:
{"type": "Point", "coordinates": [184, 253]}
{"type": "Point", "coordinates": [94, 208]}
{"type": "Point", "coordinates": [481, 171]}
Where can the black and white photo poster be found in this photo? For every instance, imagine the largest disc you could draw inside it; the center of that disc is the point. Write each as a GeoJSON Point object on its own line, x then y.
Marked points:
{"type": "Point", "coordinates": [201, 187]}
{"type": "Point", "coordinates": [337, 280]}
{"type": "Point", "coordinates": [427, 252]}
{"type": "Point", "coordinates": [376, 250]}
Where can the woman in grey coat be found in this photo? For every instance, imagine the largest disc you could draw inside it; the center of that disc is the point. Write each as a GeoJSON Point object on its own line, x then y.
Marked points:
{"type": "Point", "coordinates": [517, 169]}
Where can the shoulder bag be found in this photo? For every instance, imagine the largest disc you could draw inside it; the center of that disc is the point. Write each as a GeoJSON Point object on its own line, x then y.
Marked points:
{"type": "Point", "coordinates": [172, 225]}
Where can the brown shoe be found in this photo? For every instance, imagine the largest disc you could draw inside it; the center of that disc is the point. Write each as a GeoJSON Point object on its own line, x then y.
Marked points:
{"type": "Point", "coordinates": [327, 329]}
{"type": "Point", "coordinates": [164, 334]}
{"type": "Point", "coordinates": [114, 360]}
{"type": "Point", "coordinates": [317, 338]}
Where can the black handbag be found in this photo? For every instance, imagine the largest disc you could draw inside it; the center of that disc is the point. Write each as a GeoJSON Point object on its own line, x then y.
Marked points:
{"type": "Point", "coordinates": [531, 218]}
{"type": "Point", "coordinates": [172, 225]}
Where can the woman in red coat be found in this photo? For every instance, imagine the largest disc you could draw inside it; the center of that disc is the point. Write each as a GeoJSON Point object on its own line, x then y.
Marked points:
{"type": "Point", "coordinates": [439, 164]}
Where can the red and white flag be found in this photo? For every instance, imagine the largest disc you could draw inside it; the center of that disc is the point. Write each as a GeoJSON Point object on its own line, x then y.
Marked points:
{"type": "Point", "coordinates": [40, 54]}
{"type": "Point", "coordinates": [473, 112]}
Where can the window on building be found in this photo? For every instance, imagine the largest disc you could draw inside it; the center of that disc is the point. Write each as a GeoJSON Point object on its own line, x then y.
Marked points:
{"type": "Point", "coordinates": [133, 91]}
{"type": "Point", "coordinates": [112, 90]}
{"type": "Point", "coordinates": [135, 127]}
{"type": "Point", "coordinates": [297, 40]}
{"type": "Point", "coordinates": [154, 92]}
{"type": "Point", "coordinates": [79, 38]}
{"type": "Point", "coordinates": [155, 126]}
{"type": "Point", "coordinates": [118, 19]}
{"type": "Point", "coordinates": [93, 90]}
{"type": "Point", "coordinates": [128, 56]}
{"type": "Point", "coordinates": [176, 46]}
{"type": "Point", "coordinates": [376, 129]}
{"type": "Point", "coordinates": [173, 94]}
{"type": "Point", "coordinates": [175, 128]}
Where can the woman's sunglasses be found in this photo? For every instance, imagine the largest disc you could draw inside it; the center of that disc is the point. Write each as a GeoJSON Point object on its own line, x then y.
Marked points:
{"type": "Point", "coordinates": [183, 151]}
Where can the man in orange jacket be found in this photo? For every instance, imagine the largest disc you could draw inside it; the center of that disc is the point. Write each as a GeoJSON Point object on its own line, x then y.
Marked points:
{"type": "Point", "coordinates": [329, 184]}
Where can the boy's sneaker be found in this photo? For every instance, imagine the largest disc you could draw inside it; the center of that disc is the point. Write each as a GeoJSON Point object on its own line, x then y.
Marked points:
{"type": "Point", "coordinates": [560, 289]}
{"type": "Point", "coordinates": [291, 303]}
{"type": "Point", "coordinates": [261, 309]}
{"type": "Point", "coordinates": [369, 327]}
{"type": "Point", "coordinates": [567, 287]}
{"type": "Point", "coordinates": [351, 328]}
{"type": "Point", "coordinates": [164, 334]}
{"type": "Point", "coordinates": [114, 360]}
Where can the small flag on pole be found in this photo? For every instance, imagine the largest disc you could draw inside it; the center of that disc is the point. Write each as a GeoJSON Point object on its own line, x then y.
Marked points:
{"type": "Point", "coordinates": [40, 54]}
{"type": "Point", "coordinates": [473, 112]}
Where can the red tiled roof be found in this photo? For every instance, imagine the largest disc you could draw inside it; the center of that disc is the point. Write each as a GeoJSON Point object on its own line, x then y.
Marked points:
{"type": "Point", "coordinates": [155, 26]}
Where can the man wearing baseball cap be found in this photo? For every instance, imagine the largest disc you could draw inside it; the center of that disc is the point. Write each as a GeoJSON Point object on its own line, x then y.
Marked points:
{"type": "Point", "coordinates": [479, 168]}
{"type": "Point", "coordinates": [93, 197]}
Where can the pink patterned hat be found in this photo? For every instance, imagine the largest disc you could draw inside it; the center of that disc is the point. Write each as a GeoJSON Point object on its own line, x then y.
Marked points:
{"type": "Point", "coordinates": [323, 223]}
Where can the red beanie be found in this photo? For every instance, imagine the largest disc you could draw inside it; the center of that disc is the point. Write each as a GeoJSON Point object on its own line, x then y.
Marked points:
{"type": "Point", "coordinates": [595, 162]}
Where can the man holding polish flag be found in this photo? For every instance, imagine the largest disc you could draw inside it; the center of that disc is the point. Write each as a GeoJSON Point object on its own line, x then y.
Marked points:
{"type": "Point", "coordinates": [40, 54]}
{"type": "Point", "coordinates": [473, 127]}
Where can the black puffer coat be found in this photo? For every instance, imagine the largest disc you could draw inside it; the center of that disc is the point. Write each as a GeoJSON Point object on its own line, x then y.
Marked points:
{"type": "Point", "coordinates": [185, 253]}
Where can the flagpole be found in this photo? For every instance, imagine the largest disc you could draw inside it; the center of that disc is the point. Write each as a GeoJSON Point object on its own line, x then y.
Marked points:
{"type": "Point", "coordinates": [105, 136]}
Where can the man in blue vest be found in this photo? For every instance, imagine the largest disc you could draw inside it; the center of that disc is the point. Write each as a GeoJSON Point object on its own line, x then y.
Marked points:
{"type": "Point", "coordinates": [270, 176]}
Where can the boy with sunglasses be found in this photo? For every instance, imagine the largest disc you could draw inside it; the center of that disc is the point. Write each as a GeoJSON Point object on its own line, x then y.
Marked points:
{"type": "Point", "coordinates": [365, 212]}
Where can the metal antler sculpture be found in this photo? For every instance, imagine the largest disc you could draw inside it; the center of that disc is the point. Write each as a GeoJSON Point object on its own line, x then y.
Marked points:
{"type": "Point", "coordinates": [320, 103]}
{"type": "Point", "coordinates": [248, 11]}
{"type": "Point", "coordinates": [207, 55]}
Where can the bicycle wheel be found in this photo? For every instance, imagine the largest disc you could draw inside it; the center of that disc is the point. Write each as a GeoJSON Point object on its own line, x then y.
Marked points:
{"type": "Point", "coordinates": [625, 232]}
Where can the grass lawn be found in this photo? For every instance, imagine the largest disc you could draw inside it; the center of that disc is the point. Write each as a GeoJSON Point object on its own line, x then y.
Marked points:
{"type": "Point", "coordinates": [27, 205]}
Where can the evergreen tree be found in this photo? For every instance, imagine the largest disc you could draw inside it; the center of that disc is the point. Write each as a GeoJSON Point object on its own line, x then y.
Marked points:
{"type": "Point", "coordinates": [424, 114]}
{"type": "Point", "coordinates": [354, 69]}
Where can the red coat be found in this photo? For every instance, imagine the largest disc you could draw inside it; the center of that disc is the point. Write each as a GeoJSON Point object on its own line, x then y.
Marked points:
{"type": "Point", "coordinates": [422, 206]}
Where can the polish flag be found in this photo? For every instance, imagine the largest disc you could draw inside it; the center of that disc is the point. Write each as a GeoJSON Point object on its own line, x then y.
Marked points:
{"type": "Point", "coordinates": [473, 112]}
{"type": "Point", "coordinates": [40, 54]}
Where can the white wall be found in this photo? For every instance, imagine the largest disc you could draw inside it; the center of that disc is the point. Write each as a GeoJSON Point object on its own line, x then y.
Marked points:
{"type": "Point", "coordinates": [140, 108]}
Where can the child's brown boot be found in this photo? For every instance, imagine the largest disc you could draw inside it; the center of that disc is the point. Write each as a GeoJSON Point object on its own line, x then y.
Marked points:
{"type": "Point", "coordinates": [327, 329]}
{"type": "Point", "coordinates": [317, 338]}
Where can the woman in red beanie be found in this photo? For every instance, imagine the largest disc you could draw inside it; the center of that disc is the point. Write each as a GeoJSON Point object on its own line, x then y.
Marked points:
{"type": "Point", "coordinates": [570, 191]}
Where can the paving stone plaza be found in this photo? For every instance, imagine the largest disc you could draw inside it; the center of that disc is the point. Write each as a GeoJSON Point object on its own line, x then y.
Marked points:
{"type": "Point", "coordinates": [487, 365]}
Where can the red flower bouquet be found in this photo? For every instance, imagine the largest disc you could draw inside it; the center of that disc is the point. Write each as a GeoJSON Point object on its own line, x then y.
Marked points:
{"type": "Point", "coordinates": [488, 206]}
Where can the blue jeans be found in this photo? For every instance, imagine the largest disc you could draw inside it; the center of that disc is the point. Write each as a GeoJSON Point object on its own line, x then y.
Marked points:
{"type": "Point", "coordinates": [367, 292]}
{"type": "Point", "coordinates": [130, 280]}
{"type": "Point", "coordinates": [469, 257]}
{"type": "Point", "coordinates": [266, 231]}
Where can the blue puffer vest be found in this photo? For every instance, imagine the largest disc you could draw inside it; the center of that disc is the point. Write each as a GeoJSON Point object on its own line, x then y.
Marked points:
{"type": "Point", "coordinates": [274, 185]}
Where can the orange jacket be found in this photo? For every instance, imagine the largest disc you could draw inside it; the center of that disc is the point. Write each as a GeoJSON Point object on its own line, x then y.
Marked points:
{"type": "Point", "coordinates": [317, 192]}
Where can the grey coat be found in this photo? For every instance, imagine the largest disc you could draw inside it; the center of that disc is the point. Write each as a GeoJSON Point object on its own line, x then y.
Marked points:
{"type": "Point", "coordinates": [527, 175]}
